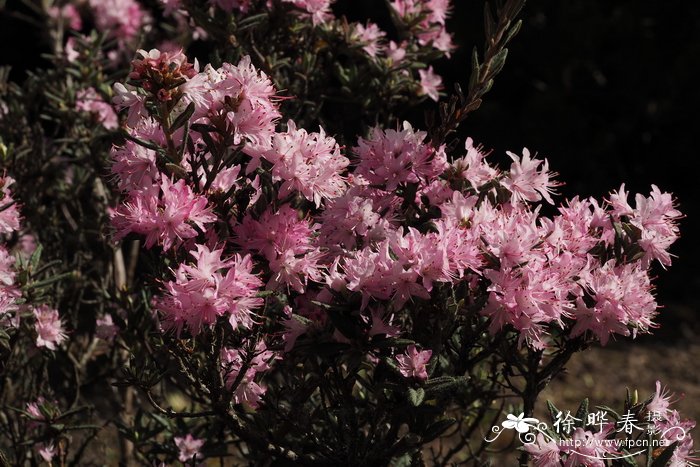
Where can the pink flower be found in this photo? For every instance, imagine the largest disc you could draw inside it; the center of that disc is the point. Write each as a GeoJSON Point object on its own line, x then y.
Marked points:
{"type": "Point", "coordinates": [48, 326]}
{"type": "Point", "coordinates": [660, 404]}
{"type": "Point", "coordinates": [413, 363]}
{"type": "Point", "coordinates": [473, 166]}
{"type": "Point", "coordinates": [87, 100]}
{"type": "Point", "coordinates": [309, 163]}
{"type": "Point", "coordinates": [657, 218]}
{"type": "Point", "coordinates": [105, 328]}
{"type": "Point", "coordinates": [72, 54]}
{"type": "Point", "coordinates": [587, 448]}
{"type": "Point", "coordinates": [134, 166]}
{"type": "Point", "coordinates": [439, 10]}
{"type": "Point", "coordinates": [123, 19]}
{"type": "Point", "coordinates": [46, 451]}
{"type": "Point", "coordinates": [393, 157]}
{"type": "Point", "coordinates": [189, 447]}
{"type": "Point", "coordinates": [68, 14]}
{"type": "Point", "coordinates": [244, 97]}
{"type": "Point", "coordinates": [288, 245]}
{"type": "Point", "coordinates": [527, 181]}
{"type": "Point", "coordinates": [354, 217]}
{"type": "Point", "coordinates": [430, 84]}
{"type": "Point", "coordinates": [407, 7]}
{"type": "Point", "coordinates": [369, 37]}
{"type": "Point", "coordinates": [9, 211]}
{"type": "Point", "coordinates": [674, 429]}
{"type": "Point", "coordinates": [9, 292]}
{"type": "Point", "coordinates": [621, 300]}
{"type": "Point", "coordinates": [396, 52]}
{"type": "Point", "coordinates": [165, 213]}
{"type": "Point", "coordinates": [381, 325]}
{"type": "Point", "coordinates": [248, 391]}
{"type": "Point", "coordinates": [544, 453]}
{"type": "Point", "coordinates": [127, 97]}
{"type": "Point", "coordinates": [318, 10]}
{"type": "Point", "coordinates": [33, 409]}
{"type": "Point", "coordinates": [213, 287]}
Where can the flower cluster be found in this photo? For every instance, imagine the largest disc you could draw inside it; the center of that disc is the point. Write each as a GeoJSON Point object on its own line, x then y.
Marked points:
{"type": "Point", "coordinates": [9, 223]}
{"type": "Point", "coordinates": [389, 228]}
{"type": "Point", "coordinates": [122, 20]}
{"type": "Point", "coordinates": [202, 292]}
{"type": "Point", "coordinates": [428, 19]}
{"type": "Point", "coordinates": [240, 367]}
{"type": "Point", "coordinates": [47, 321]}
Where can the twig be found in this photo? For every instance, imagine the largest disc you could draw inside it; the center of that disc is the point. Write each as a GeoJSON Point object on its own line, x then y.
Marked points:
{"type": "Point", "coordinates": [498, 35]}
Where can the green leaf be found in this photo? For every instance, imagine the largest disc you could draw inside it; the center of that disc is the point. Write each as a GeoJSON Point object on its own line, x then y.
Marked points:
{"type": "Point", "coordinates": [416, 396]}
{"type": "Point", "coordinates": [448, 387]}
{"type": "Point", "coordinates": [35, 258]}
{"type": "Point", "coordinates": [513, 31]}
{"type": "Point", "coordinates": [497, 63]}
{"type": "Point", "coordinates": [183, 117]}
{"type": "Point", "coordinates": [582, 412]}
{"type": "Point", "coordinates": [553, 411]}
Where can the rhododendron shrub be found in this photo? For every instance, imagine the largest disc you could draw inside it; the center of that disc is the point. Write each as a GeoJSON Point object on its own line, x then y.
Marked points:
{"type": "Point", "coordinates": [204, 259]}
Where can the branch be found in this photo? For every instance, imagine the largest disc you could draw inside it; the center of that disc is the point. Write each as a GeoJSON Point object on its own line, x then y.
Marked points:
{"type": "Point", "coordinates": [498, 35]}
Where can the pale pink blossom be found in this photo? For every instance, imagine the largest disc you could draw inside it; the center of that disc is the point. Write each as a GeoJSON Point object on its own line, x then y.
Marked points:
{"type": "Point", "coordinates": [165, 213]}
{"type": "Point", "coordinates": [413, 363]}
{"type": "Point", "coordinates": [49, 327]}
{"type": "Point", "coordinates": [318, 10]}
{"type": "Point", "coordinates": [430, 84]}
{"type": "Point", "coordinates": [396, 52]}
{"type": "Point", "coordinates": [122, 19]}
{"type": "Point", "coordinates": [214, 286]}
{"type": "Point", "coordinates": [530, 179]}
{"type": "Point", "coordinates": [588, 448]}
{"type": "Point", "coordinates": [189, 447]}
{"type": "Point", "coordinates": [134, 166]}
{"type": "Point", "coordinates": [9, 210]}
{"type": "Point", "coordinates": [234, 361]}
{"type": "Point", "coordinates": [309, 163]}
{"type": "Point", "coordinates": [127, 97]}
{"type": "Point", "coordinates": [87, 100]}
{"type": "Point", "coordinates": [391, 157]}
{"type": "Point", "coordinates": [661, 402]}
{"type": "Point", "coordinates": [46, 451]}
{"type": "Point", "coordinates": [544, 452]}
{"type": "Point", "coordinates": [68, 14]}
{"type": "Point", "coordinates": [370, 37]}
